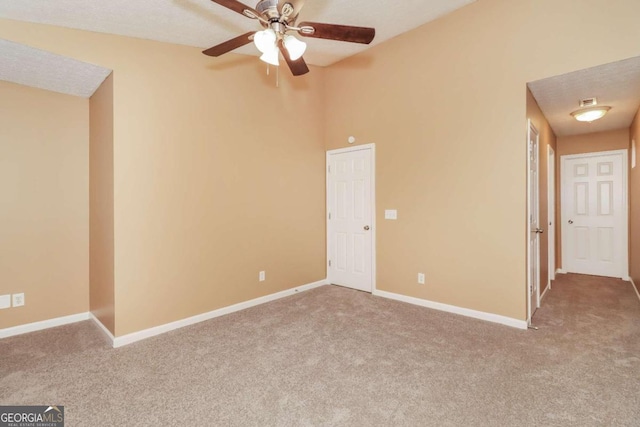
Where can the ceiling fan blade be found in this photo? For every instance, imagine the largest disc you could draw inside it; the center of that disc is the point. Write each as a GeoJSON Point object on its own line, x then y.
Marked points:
{"type": "Point", "coordinates": [236, 6]}
{"type": "Point", "coordinates": [229, 45]}
{"type": "Point", "coordinates": [297, 67]}
{"type": "Point", "coordinates": [345, 33]}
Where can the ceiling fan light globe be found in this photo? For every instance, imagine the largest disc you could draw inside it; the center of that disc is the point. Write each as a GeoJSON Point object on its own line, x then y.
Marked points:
{"type": "Point", "coordinates": [295, 47]}
{"type": "Point", "coordinates": [265, 40]}
{"type": "Point", "coordinates": [271, 57]}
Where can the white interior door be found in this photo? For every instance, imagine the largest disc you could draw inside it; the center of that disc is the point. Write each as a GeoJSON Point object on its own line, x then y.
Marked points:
{"type": "Point", "coordinates": [349, 217]}
{"type": "Point", "coordinates": [534, 230]}
{"type": "Point", "coordinates": [594, 214]}
{"type": "Point", "coordinates": [551, 203]}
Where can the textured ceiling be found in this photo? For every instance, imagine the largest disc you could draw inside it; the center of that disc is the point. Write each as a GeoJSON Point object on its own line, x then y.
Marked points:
{"type": "Point", "coordinates": [202, 23]}
{"type": "Point", "coordinates": [616, 85]}
{"type": "Point", "coordinates": [37, 68]}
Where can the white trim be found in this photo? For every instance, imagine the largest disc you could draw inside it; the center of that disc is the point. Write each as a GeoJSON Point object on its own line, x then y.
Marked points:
{"type": "Point", "coordinates": [560, 271]}
{"type": "Point", "coordinates": [551, 214]}
{"type": "Point", "coordinates": [157, 330]}
{"type": "Point", "coordinates": [353, 148]}
{"type": "Point", "coordinates": [373, 218]}
{"type": "Point", "coordinates": [544, 294]}
{"type": "Point", "coordinates": [489, 317]}
{"type": "Point", "coordinates": [624, 245]}
{"type": "Point", "coordinates": [372, 147]}
{"type": "Point", "coordinates": [531, 129]}
{"type": "Point", "coordinates": [103, 328]}
{"type": "Point", "coordinates": [635, 288]}
{"type": "Point", "coordinates": [44, 324]}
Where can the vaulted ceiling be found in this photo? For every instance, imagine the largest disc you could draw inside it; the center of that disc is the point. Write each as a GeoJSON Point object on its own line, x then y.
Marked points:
{"type": "Point", "coordinates": [202, 24]}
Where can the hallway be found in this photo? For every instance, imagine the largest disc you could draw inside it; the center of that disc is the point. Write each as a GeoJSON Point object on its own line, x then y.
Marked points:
{"type": "Point", "coordinates": [578, 301]}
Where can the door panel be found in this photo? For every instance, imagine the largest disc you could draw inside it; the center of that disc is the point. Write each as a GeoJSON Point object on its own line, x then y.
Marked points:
{"type": "Point", "coordinates": [581, 243]}
{"type": "Point", "coordinates": [605, 244]}
{"type": "Point", "coordinates": [605, 198]}
{"type": "Point", "coordinates": [582, 198]}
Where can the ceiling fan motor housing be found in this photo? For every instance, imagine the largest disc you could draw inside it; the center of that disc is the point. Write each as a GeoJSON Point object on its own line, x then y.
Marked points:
{"type": "Point", "coordinates": [268, 9]}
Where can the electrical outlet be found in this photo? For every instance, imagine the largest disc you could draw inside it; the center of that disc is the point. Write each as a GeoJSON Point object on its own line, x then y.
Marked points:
{"type": "Point", "coordinates": [421, 278]}
{"type": "Point", "coordinates": [18, 300]}
{"type": "Point", "coordinates": [5, 301]}
{"type": "Point", "coordinates": [261, 276]}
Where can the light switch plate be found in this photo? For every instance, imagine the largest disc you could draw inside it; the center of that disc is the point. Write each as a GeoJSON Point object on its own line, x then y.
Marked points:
{"type": "Point", "coordinates": [390, 214]}
{"type": "Point", "coordinates": [5, 301]}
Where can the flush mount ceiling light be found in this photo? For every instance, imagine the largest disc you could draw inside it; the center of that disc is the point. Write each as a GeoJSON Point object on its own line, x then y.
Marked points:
{"type": "Point", "coordinates": [593, 112]}
{"type": "Point", "coordinates": [590, 114]}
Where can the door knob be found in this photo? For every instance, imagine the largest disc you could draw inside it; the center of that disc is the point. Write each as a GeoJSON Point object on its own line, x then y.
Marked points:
{"type": "Point", "coordinates": [539, 230]}
{"type": "Point", "coordinates": [570, 221]}
{"type": "Point", "coordinates": [366, 228]}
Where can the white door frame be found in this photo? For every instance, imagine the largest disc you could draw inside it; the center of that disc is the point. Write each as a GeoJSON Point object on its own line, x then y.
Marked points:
{"type": "Point", "coordinates": [372, 148]}
{"type": "Point", "coordinates": [624, 243]}
{"type": "Point", "coordinates": [551, 213]}
{"type": "Point", "coordinates": [531, 128]}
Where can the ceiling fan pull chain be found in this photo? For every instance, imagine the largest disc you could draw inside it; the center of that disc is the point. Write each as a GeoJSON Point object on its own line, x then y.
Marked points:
{"type": "Point", "coordinates": [267, 69]}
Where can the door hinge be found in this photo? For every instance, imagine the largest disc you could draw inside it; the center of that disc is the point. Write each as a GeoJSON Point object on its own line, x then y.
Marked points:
{"type": "Point", "coordinates": [329, 215]}
{"type": "Point", "coordinates": [329, 263]}
{"type": "Point", "coordinates": [329, 170]}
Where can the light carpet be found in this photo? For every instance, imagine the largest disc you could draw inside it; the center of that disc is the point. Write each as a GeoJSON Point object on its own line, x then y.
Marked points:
{"type": "Point", "coordinates": [337, 357]}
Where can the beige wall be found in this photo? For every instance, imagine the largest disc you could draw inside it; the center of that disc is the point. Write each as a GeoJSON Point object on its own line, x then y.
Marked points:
{"type": "Point", "coordinates": [101, 249]}
{"type": "Point", "coordinates": [580, 144]}
{"type": "Point", "coordinates": [214, 181]}
{"type": "Point", "coordinates": [634, 204]}
{"type": "Point", "coordinates": [547, 138]}
{"type": "Point", "coordinates": [218, 174]}
{"type": "Point", "coordinates": [44, 217]}
{"type": "Point", "coordinates": [446, 106]}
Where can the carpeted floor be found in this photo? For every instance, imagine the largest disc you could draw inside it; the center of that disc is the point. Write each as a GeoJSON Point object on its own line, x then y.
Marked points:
{"type": "Point", "coordinates": [334, 356]}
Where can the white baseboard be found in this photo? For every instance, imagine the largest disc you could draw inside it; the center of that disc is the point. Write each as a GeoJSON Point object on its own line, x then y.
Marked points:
{"type": "Point", "coordinates": [157, 330]}
{"type": "Point", "coordinates": [489, 317]}
{"type": "Point", "coordinates": [560, 271]}
{"type": "Point", "coordinates": [546, 291]}
{"type": "Point", "coordinates": [635, 288]}
{"type": "Point", "coordinates": [103, 328]}
{"type": "Point", "coordinates": [44, 324]}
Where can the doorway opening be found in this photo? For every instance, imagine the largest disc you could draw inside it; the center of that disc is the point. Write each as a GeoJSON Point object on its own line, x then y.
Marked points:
{"type": "Point", "coordinates": [534, 230]}
{"type": "Point", "coordinates": [577, 179]}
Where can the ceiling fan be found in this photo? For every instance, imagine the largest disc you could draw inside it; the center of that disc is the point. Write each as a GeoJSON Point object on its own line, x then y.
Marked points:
{"type": "Point", "coordinates": [278, 18]}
